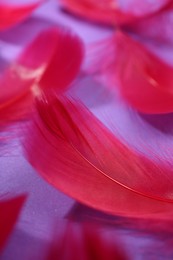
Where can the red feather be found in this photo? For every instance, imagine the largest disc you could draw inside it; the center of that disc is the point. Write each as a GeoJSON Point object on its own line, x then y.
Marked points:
{"type": "Point", "coordinates": [145, 235]}
{"type": "Point", "coordinates": [46, 63]}
{"type": "Point", "coordinates": [144, 80]}
{"type": "Point", "coordinates": [157, 27]}
{"type": "Point", "coordinates": [65, 63]}
{"type": "Point", "coordinates": [86, 242]}
{"type": "Point", "coordinates": [12, 14]}
{"type": "Point", "coordinates": [16, 82]}
{"type": "Point", "coordinates": [114, 12]}
{"type": "Point", "coordinates": [9, 212]}
{"type": "Point", "coordinates": [73, 151]}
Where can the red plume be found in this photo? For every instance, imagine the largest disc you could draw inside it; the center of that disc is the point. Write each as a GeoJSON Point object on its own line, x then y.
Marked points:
{"type": "Point", "coordinates": [73, 151]}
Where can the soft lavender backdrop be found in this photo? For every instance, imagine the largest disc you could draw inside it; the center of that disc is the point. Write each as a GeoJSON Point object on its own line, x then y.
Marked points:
{"type": "Point", "coordinates": [46, 207]}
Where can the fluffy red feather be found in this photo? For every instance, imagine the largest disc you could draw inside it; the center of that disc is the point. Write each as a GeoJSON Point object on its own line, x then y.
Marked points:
{"type": "Point", "coordinates": [73, 151]}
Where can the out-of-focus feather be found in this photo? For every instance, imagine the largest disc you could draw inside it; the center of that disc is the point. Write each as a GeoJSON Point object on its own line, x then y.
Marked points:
{"type": "Point", "coordinates": [155, 235]}
{"type": "Point", "coordinates": [46, 63]}
{"type": "Point", "coordinates": [12, 14]}
{"type": "Point", "coordinates": [65, 63]}
{"type": "Point", "coordinates": [143, 79]}
{"type": "Point", "coordinates": [9, 212]}
{"type": "Point", "coordinates": [72, 150]}
{"type": "Point", "coordinates": [157, 27]}
{"type": "Point", "coordinates": [17, 81]}
{"type": "Point", "coordinates": [84, 241]}
{"type": "Point", "coordinates": [104, 11]}
{"type": "Point", "coordinates": [114, 12]}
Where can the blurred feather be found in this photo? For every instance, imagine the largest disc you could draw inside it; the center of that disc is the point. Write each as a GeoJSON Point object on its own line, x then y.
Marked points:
{"type": "Point", "coordinates": [84, 241]}
{"type": "Point", "coordinates": [157, 27]}
{"type": "Point", "coordinates": [11, 14]}
{"type": "Point", "coordinates": [9, 212]}
{"type": "Point", "coordinates": [155, 235]}
{"type": "Point", "coordinates": [114, 12]}
{"type": "Point", "coordinates": [45, 63]}
{"type": "Point", "coordinates": [142, 78]}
